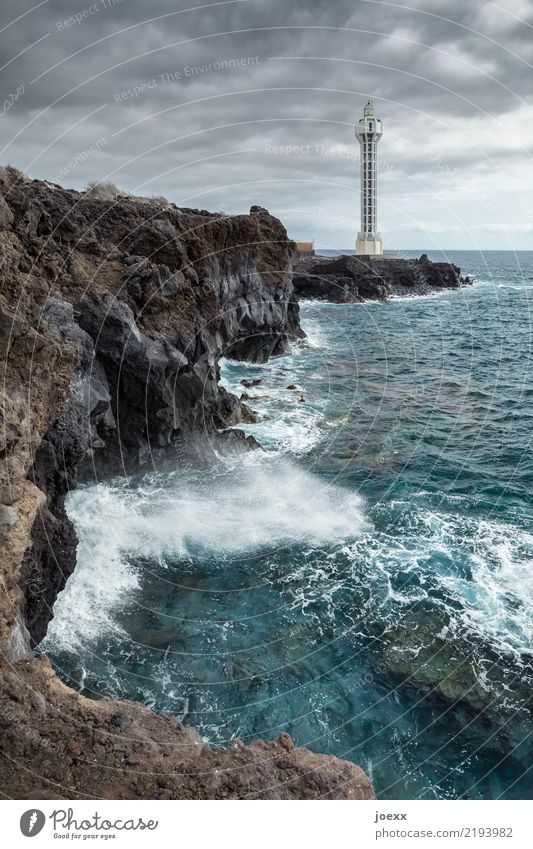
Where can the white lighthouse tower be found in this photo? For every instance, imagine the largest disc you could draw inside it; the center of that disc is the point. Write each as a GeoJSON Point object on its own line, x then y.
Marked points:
{"type": "Point", "coordinates": [368, 131]}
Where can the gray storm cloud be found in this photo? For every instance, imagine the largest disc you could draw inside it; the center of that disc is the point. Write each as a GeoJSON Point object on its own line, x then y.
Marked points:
{"type": "Point", "coordinates": [223, 105]}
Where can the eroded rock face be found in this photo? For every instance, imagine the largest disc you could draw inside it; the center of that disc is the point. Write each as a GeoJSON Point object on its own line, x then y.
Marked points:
{"type": "Point", "coordinates": [138, 302]}
{"type": "Point", "coordinates": [122, 750]}
{"type": "Point", "coordinates": [113, 316]}
{"type": "Point", "coordinates": [351, 279]}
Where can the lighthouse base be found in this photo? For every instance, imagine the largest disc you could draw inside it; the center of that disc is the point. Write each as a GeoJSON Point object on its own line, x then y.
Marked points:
{"type": "Point", "coordinates": [366, 246]}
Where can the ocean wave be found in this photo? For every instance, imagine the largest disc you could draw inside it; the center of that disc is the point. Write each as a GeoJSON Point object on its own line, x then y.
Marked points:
{"type": "Point", "coordinates": [478, 569]}
{"type": "Point", "coordinates": [104, 577]}
{"type": "Point", "coordinates": [222, 516]}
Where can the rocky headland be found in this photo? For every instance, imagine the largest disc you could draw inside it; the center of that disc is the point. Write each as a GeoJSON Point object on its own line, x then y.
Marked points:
{"type": "Point", "coordinates": [352, 279]}
{"type": "Point", "coordinates": [113, 315]}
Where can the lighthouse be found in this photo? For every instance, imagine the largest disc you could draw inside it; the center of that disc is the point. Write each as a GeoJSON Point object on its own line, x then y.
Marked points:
{"type": "Point", "coordinates": [368, 131]}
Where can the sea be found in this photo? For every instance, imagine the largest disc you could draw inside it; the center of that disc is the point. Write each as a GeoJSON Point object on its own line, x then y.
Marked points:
{"type": "Point", "coordinates": [364, 582]}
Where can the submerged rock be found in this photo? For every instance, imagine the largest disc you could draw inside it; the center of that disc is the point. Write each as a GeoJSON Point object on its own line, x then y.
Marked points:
{"type": "Point", "coordinates": [426, 649]}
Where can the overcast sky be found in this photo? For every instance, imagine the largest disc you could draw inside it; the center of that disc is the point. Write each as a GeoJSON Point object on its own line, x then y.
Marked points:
{"type": "Point", "coordinates": [225, 105]}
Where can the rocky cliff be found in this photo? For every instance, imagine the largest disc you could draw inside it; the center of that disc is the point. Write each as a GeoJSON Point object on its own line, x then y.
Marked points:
{"type": "Point", "coordinates": [113, 315]}
{"type": "Point", "coordinates": [351, 279]}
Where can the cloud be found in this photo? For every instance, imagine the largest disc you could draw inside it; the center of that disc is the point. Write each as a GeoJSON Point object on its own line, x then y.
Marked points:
{"type": "Point", "coordinates": [189, 102]}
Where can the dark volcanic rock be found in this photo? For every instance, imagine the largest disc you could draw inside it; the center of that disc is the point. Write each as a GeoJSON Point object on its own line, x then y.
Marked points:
{"type": "Point", "coordinates": [351, 279]}
{"type": "Point", "coordinates": [144, 301]}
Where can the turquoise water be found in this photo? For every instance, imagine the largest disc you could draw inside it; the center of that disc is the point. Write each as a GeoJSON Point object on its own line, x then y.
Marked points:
{"type": "Point", "coordinates": [365, 583]}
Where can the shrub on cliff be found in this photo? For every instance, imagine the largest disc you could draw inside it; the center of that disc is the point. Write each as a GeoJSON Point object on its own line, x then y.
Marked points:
{"type": "Point", "coordinates": [161, 200]}
{"type": "Point", "coordinates": [11, 175]}
{"type": "Point", "coordinates": [103, 190]}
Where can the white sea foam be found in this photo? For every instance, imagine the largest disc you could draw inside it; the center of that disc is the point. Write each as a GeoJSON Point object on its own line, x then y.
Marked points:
{"type": "Point", "coordinates": [291, 433]}
{"type": "Point", "coordinates": [503, 574]}
{"type": "Point", "coordinates": [103, 578]}
{"type": "Point", "coordinates": [316, 337]}
{"type": "Point", "coordinates": [287, 424]}
{"type": "Point", "coordinates": [492, 596]}
{"type": "Point", "coordinates": [515, 287]}
{"type": "Point", "coordinates": [429, 296]}
{"type": "Point", "coordinates": [238, 511]}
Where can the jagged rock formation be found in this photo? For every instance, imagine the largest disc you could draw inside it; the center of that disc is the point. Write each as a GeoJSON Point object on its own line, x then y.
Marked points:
{"type": "Point", "coordinates": [61, 745]}
{"type": "Point", "coordinates": [113, 315]}
{"type": "Point", "coordinates": [351, 279]}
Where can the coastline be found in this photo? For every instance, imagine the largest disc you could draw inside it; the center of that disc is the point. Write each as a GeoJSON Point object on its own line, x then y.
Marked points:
{"type": "Point", "coordinates": [356, 279]}
{"type": "Point", "coordinates": [103, 302]}
{"type": "Point", "coordinates": [242, 257]}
